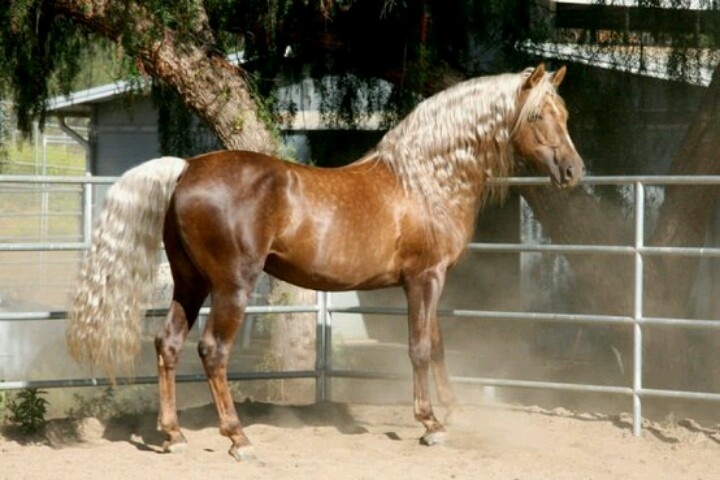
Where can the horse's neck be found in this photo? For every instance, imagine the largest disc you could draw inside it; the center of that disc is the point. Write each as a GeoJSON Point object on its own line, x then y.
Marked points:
{"type": "Point", "coordinates": [453, 222]}
{"type": "Point", "coordinates": [466, 182]}
{"type": "Point", "coordinates": [466, 191]}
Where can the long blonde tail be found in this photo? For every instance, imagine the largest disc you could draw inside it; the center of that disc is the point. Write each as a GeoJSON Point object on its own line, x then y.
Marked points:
{"type": "Point", "coordinates": [108, 305]}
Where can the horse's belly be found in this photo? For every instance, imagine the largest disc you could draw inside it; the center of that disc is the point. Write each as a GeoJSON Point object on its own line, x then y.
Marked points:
{"type": "Point", "coordinates": [336, 270]}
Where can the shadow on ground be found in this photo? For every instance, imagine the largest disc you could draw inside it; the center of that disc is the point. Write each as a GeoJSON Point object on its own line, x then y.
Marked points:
{"type": "Point", "coordinates": [140, 429]}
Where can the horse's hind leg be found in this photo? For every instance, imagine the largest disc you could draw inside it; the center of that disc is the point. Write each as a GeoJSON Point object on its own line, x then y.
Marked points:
{"type": "Point", "coordinates": [168, 343]}
{"type": "Point", "coordinates": [189, 292]}
{"type": "Point", "coordinates": [226, 317]}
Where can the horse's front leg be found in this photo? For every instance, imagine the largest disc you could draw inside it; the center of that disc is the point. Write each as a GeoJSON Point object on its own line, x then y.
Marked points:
{"type": "Point", "coordinates": [440, 373]}
{"type": "Point", "coordinates": [423, 293]}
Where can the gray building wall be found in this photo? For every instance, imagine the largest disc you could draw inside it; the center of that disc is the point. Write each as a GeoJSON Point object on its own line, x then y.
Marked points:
{"type": "Point", "coordinates": [123, 135]}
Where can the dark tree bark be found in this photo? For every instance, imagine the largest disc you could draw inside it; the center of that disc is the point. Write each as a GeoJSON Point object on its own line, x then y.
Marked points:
{"type": "Point", "coordinates": [687, 211]}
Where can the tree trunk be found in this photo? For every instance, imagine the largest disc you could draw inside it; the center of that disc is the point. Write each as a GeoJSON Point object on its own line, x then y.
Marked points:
{"type": "Point", "coordinates": [577, 217]}
{"type": "Point", "coordinates": [292, 344]}
{"type": "Point", "coordinates": [686, 213]}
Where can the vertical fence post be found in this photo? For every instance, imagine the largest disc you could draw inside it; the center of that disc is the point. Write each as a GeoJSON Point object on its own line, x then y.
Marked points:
{"type": "Point", "coordinates": [36, 149]}
{"type": "Point", "coordinates": [44, 216]}
{"type": "Point", "coordinates": [638, 307]}
{"type": "Point", "coordinates": [320, 359]}
{"type": "Point", "coordinates": [327, 344]}
{"type": "Point", "coordinates": [44, 198]}
{"type": "Point", "coordinates": [87, 223]}
{"type": "Point", "coordinates": [87, 210]}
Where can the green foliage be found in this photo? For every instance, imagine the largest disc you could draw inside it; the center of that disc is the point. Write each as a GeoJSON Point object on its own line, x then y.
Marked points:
{"type": "Point", "coordinates": [40, 55]}
{"type": "Point", "coordinates": [27, 409]}
{"type": "Point", "coordinates": [6, 127]}
{"type": "Point", "coordinates": [3, 403]}
{"type": "Point", "coordinates": [44, 52]}
{"type": "Point", "coordinates": [102, 406]}
{"type": "Point", "coordinates": [183, 17]}
{"type": "Point", "coordinates": [267, 105]}
{"type": "Point", "coordinates": [175, 123]}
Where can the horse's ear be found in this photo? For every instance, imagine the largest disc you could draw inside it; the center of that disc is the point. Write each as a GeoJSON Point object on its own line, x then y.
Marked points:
{"type": "Point", "coordinates": [558, 76]}
{"type": "Point", "coordinates": [535, 76]}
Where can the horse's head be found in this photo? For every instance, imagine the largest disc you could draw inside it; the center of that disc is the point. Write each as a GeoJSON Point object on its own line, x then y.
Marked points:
{"type": "Point", "coordinates": [541, 137]}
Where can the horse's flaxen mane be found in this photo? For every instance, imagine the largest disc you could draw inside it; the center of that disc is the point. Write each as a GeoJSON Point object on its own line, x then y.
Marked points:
{"type": "Point", "coordinates": [446, 149]}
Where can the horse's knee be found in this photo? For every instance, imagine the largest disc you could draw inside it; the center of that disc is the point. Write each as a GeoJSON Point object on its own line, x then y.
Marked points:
{"type": "Point", "coordinates": [211, 353]}
{"type": "Point", "coordinates": [167, 350]}
{"type": "Point", "coordinates": [205, 349]}
{"type": "Point", "coordinates": [420, 353]}
{"type": "Point", "coordinates": [170, 339]}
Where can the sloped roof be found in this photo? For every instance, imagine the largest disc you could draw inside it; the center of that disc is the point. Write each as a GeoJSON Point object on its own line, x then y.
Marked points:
{"type": "Point", "coordinates": [77, 103]}
{"type": "Point", "coordinates": [687, 16]}
{"type": "Point", "coordinates": [652, 62]}
{"type": "Point", "coordinates": [302, 97]}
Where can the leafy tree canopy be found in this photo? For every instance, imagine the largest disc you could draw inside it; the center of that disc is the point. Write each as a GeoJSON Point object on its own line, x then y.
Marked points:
{"type": "Point", "coordinates": [53, 47]}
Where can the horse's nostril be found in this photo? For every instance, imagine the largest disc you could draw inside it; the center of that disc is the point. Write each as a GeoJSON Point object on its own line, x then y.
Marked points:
{"type": "Point", "coordinates": [569, 172]}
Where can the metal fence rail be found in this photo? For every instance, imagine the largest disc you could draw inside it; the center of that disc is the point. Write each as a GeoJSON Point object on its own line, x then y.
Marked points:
{"type": "Point", "coordinates": [324, 308]}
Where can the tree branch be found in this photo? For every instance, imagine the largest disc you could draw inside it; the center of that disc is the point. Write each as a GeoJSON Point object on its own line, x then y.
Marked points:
{"type": "Point", "coordinates": [214, 89]}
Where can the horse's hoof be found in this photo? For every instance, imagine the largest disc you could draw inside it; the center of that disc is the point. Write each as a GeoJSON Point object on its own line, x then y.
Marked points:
{"type": "Point", "coordinates": [243, 454]}
{"type": "Point", "coordinates": [175, 446]}
{"type": "Point", "coordinates": [433, 438]}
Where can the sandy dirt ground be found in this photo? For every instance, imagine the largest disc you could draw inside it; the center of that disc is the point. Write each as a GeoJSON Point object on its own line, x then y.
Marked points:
{"type": "Point", "coordinates": [341, 441]}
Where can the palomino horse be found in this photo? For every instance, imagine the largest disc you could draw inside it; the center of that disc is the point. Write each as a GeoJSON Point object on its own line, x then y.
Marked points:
{"type": "Point", "coordinates": [401, 215]}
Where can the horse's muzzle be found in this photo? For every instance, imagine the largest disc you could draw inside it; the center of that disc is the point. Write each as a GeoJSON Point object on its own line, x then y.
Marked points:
{"type": "Point", "coordinates": [567, 172]}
